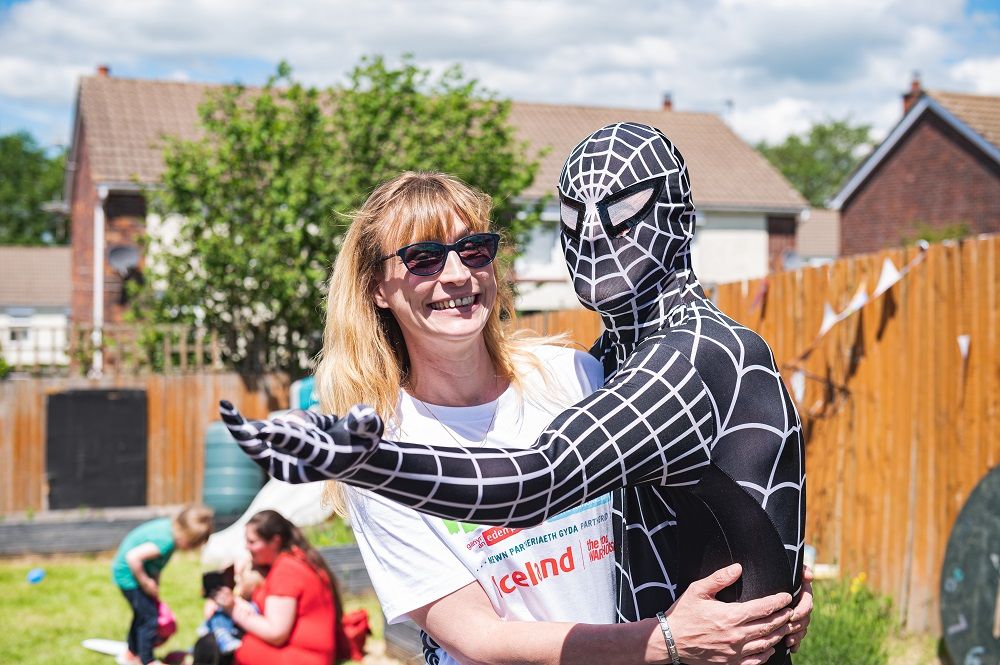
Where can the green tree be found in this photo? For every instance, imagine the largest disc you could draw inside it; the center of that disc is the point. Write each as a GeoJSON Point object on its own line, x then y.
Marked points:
{"type": "Point", "coordinates": [29, 178]}
{"type": "Point", "coordinates": [818, 161]}
{"type": "Point", "coordinates": [263, 197]}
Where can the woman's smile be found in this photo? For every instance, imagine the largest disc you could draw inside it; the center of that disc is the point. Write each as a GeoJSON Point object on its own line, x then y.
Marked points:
{"type": "Point", "coordinates": [463, 304]}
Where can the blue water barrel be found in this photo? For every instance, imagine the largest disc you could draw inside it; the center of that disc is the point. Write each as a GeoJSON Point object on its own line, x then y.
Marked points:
{"type": "Point", "coordinates": [302, 394]}
{"type": "Point", "coordinates": [232, 479]}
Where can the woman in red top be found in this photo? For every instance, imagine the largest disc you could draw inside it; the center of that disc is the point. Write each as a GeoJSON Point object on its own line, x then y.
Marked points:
{"type": "Point", "coordinates": [299, 605]}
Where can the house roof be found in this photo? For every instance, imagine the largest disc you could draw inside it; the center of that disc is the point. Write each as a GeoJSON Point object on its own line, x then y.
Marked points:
{"type": "Point", "coordinates": [35, 276]}
{"type": "Point", "coordinates": [725, 172]}
{"type": "Point", "coordinates": [125, 121]}
{"type": "Point", "coordinates": [976, 117]}
{"type": "Point", "coordinates": [979, 112]}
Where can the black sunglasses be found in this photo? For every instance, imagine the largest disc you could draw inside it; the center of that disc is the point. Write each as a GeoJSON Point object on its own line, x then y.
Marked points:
{"type": "Point", "coordinates": [429, 257]}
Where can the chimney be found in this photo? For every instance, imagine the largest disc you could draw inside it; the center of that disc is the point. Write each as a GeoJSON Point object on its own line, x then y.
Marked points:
{"type": "Point", "coordinates": [104, 71]}
{"type": "Point", "coordinates": [668, 101]}
{"type": "Point", "coordinates": [913, 95]}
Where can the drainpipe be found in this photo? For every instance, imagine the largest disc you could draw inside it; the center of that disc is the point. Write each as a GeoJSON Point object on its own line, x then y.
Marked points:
{"type": "Point", "coordinates": [97, 367]}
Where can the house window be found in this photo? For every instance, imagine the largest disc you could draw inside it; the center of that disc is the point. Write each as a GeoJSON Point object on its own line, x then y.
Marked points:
{"type": "Point", "coordinates": [19, 334]}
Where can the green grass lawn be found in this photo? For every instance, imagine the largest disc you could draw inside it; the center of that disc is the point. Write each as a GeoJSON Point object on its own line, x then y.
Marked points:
{"type": "Point", "coordinates": [44, 623]}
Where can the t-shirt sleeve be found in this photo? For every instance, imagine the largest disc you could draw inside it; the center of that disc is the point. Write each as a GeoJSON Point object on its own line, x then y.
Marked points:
{"type": "Point", "coordinates": [163, 537]}
{"type": "Point", "coordinates": [287, 579]}
{"type": "Point", "coordinates": [409, 564]}
{"type": "Point", "coordinates": [589, 371]}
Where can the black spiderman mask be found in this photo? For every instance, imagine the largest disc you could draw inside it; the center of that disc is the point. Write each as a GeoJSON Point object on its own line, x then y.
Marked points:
{"type": "Point", "coordinates": [693, 432]}
{"type": "Point", "coordinates": [627, 218]}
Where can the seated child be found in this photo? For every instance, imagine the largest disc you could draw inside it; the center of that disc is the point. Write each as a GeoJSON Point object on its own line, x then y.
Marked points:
{"type": "Point", "coordinates": [136, 570]}
{"type": "Point", "coordinates": [218, 588]}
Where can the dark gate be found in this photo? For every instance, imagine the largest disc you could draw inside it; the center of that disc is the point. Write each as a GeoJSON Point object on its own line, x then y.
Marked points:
{"type": "Point", "coordinates": [96, 448]}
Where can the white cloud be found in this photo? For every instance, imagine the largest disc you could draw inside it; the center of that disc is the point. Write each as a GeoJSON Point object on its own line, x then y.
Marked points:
{"type": "Point", "coordinates": [982, 73]}
{"type": "Point", "coordinates": [783, 63]}
{"type": "Point", "coordinates": [773, 122]}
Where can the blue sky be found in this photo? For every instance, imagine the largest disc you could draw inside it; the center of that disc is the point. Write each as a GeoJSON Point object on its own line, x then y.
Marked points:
{"type": "Point", "coordinates": [770, 67]}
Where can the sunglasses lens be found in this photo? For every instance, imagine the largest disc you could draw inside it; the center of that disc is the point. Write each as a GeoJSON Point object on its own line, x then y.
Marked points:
{"type": "Point", "coordinates": [478, 250]}
{"type": "Point", "coordinates": [424, 259]}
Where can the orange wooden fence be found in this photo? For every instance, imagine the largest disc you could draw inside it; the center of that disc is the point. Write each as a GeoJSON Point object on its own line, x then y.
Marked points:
{"type": "Point", "coordinates": [899, 427]}
{"type": "Point", "coordinates": [179, 409]}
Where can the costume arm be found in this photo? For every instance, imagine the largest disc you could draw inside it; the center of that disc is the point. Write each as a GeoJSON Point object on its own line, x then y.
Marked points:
{"type": "Point", "coordinates": [651, 424]}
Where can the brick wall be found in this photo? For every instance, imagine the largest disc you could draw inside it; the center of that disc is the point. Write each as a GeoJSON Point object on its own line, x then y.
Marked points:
{"type": "Point", "coordinates": [125, 216]}
{"type": "Point", "coordinates": [780, 238]}
{"type": "Point", "coordinates": [84, 198]}
{"type": "Point", "coordinates": [933, 176]}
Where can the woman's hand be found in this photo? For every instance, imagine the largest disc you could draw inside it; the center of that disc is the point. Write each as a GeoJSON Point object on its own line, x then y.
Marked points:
{"type": "Point", "coordinates": [303, 446]}
{"type": "Point", "coordinates": [707, 630]}
{"type": "Point", "coordinates": [241, 611]}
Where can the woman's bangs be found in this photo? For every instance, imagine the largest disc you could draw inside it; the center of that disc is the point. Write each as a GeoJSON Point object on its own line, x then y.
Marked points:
{"type": "Point", "coordinates": [428, 220]}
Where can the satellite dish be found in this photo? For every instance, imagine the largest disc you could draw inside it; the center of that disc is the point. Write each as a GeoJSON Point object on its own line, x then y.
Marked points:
{"type": "Point", "coordinates": [124, 259]}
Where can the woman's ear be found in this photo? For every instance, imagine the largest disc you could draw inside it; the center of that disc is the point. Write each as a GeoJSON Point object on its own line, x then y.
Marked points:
{"type": "Point", "coordinates": [379, 296]}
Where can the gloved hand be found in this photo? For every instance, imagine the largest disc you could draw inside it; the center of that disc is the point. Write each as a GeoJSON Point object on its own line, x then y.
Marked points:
{"type": "Point", "coordinates": [305, 447]}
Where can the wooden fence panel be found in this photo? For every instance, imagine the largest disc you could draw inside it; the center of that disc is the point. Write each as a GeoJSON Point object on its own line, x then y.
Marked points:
{"type": "Point", "coordinates": [582, 325]}
{"type": "Point", "coordinates": [180, 408]}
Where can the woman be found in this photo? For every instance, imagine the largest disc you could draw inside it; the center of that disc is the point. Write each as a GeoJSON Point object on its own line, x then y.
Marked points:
{"type": "Point", "coordinates": [414, 328]}
{"type": "Point", "coordinates": [296, 618]}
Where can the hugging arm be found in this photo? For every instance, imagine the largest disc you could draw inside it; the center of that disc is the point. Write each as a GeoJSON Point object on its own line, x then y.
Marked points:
{"type": "Point", "coordinates": [652, 423]}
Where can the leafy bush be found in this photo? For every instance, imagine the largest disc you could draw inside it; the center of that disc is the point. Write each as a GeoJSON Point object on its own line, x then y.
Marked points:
{"type": "Point", "coordinates": [4, 367]}
{"type": "Point", "coordinates": [850, 624]}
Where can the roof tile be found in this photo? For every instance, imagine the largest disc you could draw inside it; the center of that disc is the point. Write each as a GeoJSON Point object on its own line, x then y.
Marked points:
{"type": "Point", "coordinates": [980, 112]}
{"type": "Point", "coordinates": [126, 120]}
{"type": "Point", "coordinates": [35, 276]}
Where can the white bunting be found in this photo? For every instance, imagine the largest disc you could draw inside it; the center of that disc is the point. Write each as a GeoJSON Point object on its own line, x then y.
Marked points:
{"type": "Point", "coordinates": [963, 345]}
{"type": "Point", "coordinates": [798, 385]}
{"type": "Point", "coordinates": [829, 319]}
{"type": "Point", "coordinates": [859, 300]}
{"type": "Point", "coordinates": [890, 275]}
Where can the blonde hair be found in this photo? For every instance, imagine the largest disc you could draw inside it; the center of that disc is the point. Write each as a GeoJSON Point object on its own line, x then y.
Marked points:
{"type": "Point", "coordinates": [364, 357]}
{"type": "Point", "coordinates": [195, 524]}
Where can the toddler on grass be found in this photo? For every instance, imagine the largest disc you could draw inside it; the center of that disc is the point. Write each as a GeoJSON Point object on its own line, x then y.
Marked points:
{"type": "Point", "coordinates": [136, 570]}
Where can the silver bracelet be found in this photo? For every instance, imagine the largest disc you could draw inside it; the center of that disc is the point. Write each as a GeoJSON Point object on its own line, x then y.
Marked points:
{"type": "Point", "coordinates": [668, 637]}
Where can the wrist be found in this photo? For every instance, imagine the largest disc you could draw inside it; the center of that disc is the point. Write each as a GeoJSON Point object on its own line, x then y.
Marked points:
{"type": "Point", "coordinates": [656, 648]}
{"type": "Point", "coordinates": [668, 639]}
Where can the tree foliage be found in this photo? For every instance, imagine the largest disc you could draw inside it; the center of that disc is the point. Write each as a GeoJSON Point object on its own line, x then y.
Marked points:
{"type": "Point", "coordinates": [29, 178]}
{"type": "Point", "coordinates": [818, 162]}
{"type": "Point", "coordinates": [259, 203]}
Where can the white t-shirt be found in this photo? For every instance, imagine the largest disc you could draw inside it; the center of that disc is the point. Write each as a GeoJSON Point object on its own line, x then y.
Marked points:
{"type": "Point", "coordinates": [561, 570]}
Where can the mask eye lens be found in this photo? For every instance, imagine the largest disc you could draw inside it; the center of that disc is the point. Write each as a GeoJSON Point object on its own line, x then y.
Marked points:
{"type": "Point", "coordinates": [621, 212]}
{"type": "Point", "coordinates": [625, 209]}
{"type": "Point", "coordinates": [571, 215]}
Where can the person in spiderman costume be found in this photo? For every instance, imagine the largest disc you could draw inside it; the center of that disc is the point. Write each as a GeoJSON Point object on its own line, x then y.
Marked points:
{"type": "Point", "coordinates": [694, 428]}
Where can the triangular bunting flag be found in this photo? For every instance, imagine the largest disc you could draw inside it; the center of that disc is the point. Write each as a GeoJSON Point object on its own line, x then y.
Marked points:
{"type": "Point", "coordinates": [829, 319]}
{"type": "Point", "coordinates": [890, 275]}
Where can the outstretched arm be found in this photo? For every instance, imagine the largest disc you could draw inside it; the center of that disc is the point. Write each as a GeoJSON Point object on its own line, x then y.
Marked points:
{"type": "Point", "coordinates": [651, 424]}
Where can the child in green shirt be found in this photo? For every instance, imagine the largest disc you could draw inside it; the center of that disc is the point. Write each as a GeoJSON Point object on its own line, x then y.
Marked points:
{"type": "Point", "coordinates": [136, 570]}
